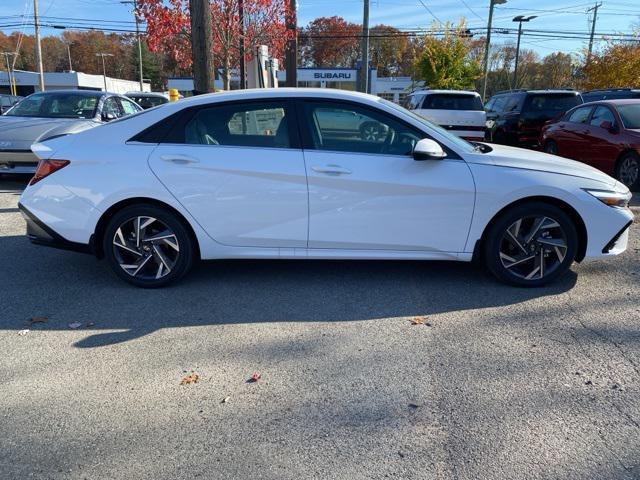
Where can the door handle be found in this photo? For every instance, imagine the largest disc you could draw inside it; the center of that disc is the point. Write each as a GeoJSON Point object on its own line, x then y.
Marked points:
{"type": "Point", "coordinates": [178, 158]}
{"type": "Point", "coordinates": [331, 170]}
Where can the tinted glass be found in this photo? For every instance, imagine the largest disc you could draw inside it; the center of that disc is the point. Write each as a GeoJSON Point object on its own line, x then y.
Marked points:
{"type": "Point", "coordinates": [579, 115]}
{"type": "Point", "coordinates": [57, 105]}
{"type": "Point", "coordinates": [148, 102]}
{"type": "Point", "coordinates": [499, 103]}
{"type": "Point", "coordinates": [602, 114]}
{"type": "Point", "coordinates": [350, 128]}
{"type": "Point", "coordinates": [440, 101]}
{"type": "Point", "coordinates": [513, 103]}
{"type": "Point", "coordinates": [261, 124]}
{"type": "Point", "coordinates": [413, 101]}
{"type": "Point", "coordinates": [630, 115]}
{"type": "Point", "coordinates": [549, 105]}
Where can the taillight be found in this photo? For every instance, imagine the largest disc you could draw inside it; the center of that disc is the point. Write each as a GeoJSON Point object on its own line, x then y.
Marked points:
{"type": "Point", "coordinates": [46, 168]}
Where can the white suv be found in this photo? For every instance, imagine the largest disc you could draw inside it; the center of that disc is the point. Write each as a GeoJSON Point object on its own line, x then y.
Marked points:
{"type": "Point", "coordinates": [458, 111]}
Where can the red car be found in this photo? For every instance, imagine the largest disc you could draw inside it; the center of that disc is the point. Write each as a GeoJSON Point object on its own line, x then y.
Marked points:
{"type": "Point", "coordinates": [604, 134]}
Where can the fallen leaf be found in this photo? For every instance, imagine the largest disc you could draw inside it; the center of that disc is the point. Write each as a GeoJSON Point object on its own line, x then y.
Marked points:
{"type": "Point", "coordinates": [189, 379]}
{"type": "Point", "coordinates": [38, 320]}
{"type": "Point", "coordinates": [226, 399]}
{"type": "Point", "coordinates": [255, 377]}
{"type": "Point", "coordinates": [75, 325]}
{"type": "Point", "coordinates": [418, 320]}
{"type": "Point", "coordinates": [22, 333]}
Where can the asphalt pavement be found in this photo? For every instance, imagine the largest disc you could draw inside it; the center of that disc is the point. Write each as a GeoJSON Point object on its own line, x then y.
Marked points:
{"type": "Point", "coordinates": [496, 383]}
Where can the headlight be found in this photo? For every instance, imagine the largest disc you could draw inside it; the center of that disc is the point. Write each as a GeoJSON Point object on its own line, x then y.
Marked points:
{"type": "Point", "coordinates": [611, 198]}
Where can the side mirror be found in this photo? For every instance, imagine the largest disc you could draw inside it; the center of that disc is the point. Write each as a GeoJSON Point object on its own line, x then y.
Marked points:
{"type": "Point", "coordinates": [107, 117]}
{"type": "Point", "coordinates": [427, 149]}
{"type": "Point", "coordinates": [607, 125]}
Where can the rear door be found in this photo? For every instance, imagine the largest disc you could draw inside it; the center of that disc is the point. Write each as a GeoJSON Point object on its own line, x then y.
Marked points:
{"type": "Point", "coordinates": [238, 168]}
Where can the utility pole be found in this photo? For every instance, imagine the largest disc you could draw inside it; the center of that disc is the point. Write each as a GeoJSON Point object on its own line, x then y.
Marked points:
{"type": "Point", "coordinates": [69, 55]}
{"type": "Point", "coordinates": [137, 19]}
{"type": "Point", "coordinates": [201, 44]}
{"type": "Point", "coordinates": [364, 67]}
{"type": "Point", "coordinates": [291, 66]}
{"type": "Point", "coordinates": [242, 59]}
{"type": "Point", "coordinates": [10, 74]}
{"type": "Point", "coordinates": [104, 68]}
{"type": "Point", "coordinates": [593, 28]}
{"type": "Point", "coordinates": [38, 45]}
{"type": "Point", "coordinates": [519, 19]}
{"type": "Point", "coordinates": [485, 65]}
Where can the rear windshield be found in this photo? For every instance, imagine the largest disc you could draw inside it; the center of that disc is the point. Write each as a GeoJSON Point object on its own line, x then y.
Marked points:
{"type": "Point", "coordinates": [630, 115]}
{"type": "Point", "coordinates": [549, 105]}
{"type": "Point", "coordinates": [56, 105]}
{"type": "Point", "coordinates": [449, 101]}
{"type": "Point", "coordinates": [148, 102]}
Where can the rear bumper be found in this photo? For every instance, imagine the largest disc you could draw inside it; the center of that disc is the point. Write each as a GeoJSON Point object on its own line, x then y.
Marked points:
{"type": "Point", "coordinates": [41, 234]}
{"type": "Point", "coordinates": [18, 161]}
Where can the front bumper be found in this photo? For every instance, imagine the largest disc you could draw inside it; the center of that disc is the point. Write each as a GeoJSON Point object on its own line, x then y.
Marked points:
{"type": "Point", "coordinates": [41, 234]}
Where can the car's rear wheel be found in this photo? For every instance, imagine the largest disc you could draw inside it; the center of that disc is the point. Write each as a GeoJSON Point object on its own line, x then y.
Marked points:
{"type": "Point", "coordinates": [148, 246]}
{"type": "Point", "coordinates": [551, 147]}
{"type": "Point", "coordinates": [531, 245]}
{"type": "Point", "coordinates": [628, 169]}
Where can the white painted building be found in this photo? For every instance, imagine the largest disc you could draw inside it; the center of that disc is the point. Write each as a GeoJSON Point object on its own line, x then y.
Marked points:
{"type": "Point", "coordinates": [390, 88]}
{"type": "Point", "coordinates": [28, 82]}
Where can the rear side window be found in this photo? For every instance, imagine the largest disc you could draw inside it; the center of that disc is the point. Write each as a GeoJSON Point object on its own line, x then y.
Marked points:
{"type": "Point", "coordinates": [579, 115]}
{"type": "Point", "coordinates": [602, 114]}
{"type": "Point", "coordinates": [549, 105]}
{"type": "Point", "coordinates": [438, 101]}
{"type": "Point", "coordinates": [252, 124]}
{"type": "Point", "coordinates": [413, 101]}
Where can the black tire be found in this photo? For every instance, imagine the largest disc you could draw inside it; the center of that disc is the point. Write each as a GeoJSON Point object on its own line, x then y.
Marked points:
{"type": "Point", "coordinates": [175, 251]}
{"type": "Point", "coordinates": [551, 147]}
{"type": "Point", "coordinates": [504, 253]}
{"type": "Point", "coordinates": [628, 170]}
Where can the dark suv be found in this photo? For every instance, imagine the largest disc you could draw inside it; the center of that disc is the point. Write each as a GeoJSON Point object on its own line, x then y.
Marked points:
{"type": "Point", "coordinates": [610, 94]}
{"type": "Point", "coordinates": [515, 117]}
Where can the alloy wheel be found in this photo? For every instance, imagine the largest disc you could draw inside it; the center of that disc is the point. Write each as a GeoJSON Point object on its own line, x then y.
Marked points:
{"type": "Point", "coordinates": [533, 247]}
{"type": "Point", "coordinates": [370, 133]}
{"type": "Point", "coordinates": [146, 248]}
{"type": "Point", "coordinates": [629, 170]}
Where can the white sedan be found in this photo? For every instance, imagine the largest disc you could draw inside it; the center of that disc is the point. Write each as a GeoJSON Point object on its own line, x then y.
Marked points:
{"type": "Point", "coordinates": [255, 174]}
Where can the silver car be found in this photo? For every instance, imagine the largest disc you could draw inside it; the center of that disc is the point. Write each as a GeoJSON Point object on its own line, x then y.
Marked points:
{"type": "Point", "coordinates": [45, 115]}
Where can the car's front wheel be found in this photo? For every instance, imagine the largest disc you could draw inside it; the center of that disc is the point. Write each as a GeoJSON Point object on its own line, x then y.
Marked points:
{"type": "Point", "coordinates": [628, 169]}
{"type": "Point", "coordinates": [148, 246]}
{"type": "Point", "coordinates": [531, 245]}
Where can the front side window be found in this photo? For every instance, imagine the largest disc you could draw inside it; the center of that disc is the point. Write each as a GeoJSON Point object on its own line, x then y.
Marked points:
{"type": "Point", "coordinates": [450, 101]}
{"type": "Point", "coordinates": [56, 105]}
{"type": "Point", "coordinates": [579, 115]}
{"type": "Point", "coordinates": [258, 124]}
{"type": "Point", "coordinates": [602, 114]}
{"type": "Point", "coordinates": [111, 109]}
{"type": "Point", "coordinates": [128, 107]}
{"type": "Point", "coordinates": [498, 103]}
{"type": "Point", "coordinates": [344, 127]}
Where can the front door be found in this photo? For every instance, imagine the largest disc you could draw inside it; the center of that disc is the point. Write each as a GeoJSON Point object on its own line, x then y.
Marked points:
{"type": "Point", "coordinates": [366, 192]}
{"type": "Point", "coordinates": [238, 169]}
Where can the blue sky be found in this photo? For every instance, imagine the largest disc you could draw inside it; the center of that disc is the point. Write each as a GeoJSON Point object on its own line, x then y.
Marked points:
{"type": "Point", "coordinates": [561, 15]}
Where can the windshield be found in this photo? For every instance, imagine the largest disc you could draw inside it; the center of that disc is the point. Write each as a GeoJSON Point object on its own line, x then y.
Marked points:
{"type": "Point", "coordinates": [56, 105]}
{"type": "Point", "coordinates": [630, 115]}
{"type": "Point", "coordinates": [549, 105]}
{"type": "Point", "coordinates": [148, 101]}
{"type": "Point", "coordinates": [451, 101]}
{"type": "Point", "coordinates": [457, 141]}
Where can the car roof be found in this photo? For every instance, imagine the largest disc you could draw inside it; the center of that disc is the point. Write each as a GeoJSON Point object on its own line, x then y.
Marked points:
{"type": "Point", "coordinates": [538, 92]}
{"type": "Point", "coordinates": [146, 94]}
{"type": "Point", "coordinates": [601, 90]}
{"type": "Point", "coordinates": [452, 92]}
{"type": "Point", "coordinates": [289, 92]}
{"type": "Point", "coordinates": [616, 101]}
{"type": "Point", "coordinates": [88, 93]}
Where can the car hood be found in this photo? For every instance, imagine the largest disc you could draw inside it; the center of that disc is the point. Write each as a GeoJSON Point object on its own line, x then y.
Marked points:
{"type": "Point", "coordinates": [19, 133]}
{"type": "Point", "coordinates": [513, 157]}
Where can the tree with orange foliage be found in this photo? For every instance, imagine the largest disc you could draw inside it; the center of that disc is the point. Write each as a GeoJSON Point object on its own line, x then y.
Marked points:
{"type": "Point", "coordinates": [616, 66]}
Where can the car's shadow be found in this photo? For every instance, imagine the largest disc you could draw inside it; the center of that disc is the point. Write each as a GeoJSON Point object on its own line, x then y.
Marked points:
{"type": "Point", "coordinates": [67, 287]}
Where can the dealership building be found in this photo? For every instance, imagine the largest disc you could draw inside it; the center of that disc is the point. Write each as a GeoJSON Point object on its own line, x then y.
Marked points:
{"type": "Point", "coordinates": [390, 88]}
{"type": "Point", "coordinates": [28, 82]}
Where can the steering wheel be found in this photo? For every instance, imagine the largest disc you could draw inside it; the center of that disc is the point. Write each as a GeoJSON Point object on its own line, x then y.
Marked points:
{"type": "Point", "coordinates": [388, 140]}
